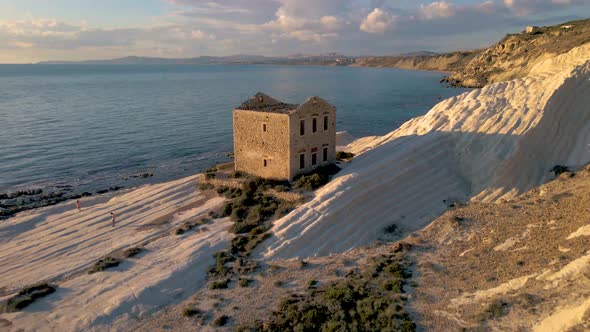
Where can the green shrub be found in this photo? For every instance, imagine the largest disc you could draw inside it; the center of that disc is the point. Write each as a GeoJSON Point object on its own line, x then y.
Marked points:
{"type": "Point", "coordinates": [558, 169]}
{"type": "Point", "coordinates": [219, 269]}
{"type": "Point", "coordinates": [244, 282]}
{"type": "Point", "coordinates": [226, 209]}
{"type": "Point", "coordinates": [27, 296]}
{"type": "Point", "coordinates": [211, 169]}
{"type": "Point", "coordinates": [317, 178]}
{"type": "Point", "coordinates": [209, 175]}
{"type": "Point", "coordinates": [179, 231]}
{"type": "Point", "coordinates": [236, 174]}
{"type": "Point", "coordinates": [258, 230]}
{"type": "Point", "coordinates": [310, 182]}
{"type": "Point", "coordinates": [132, 252]}
{"type": "Point", "coordinates": [241, 227]}
{"type": "Point", "coordinates": [301, 263]}
{"type": "Point", "coordinates": [238, 213]}
{"type": "Point", "coordinates": [397, 270]}
{"type": "Point", "coordinates": [205, 186]}
{"type": "Point", "coordinates": [238, 243]}
{"type": "Point", "coordinates": [221, 320]}
{"type": "Point", "coordinates": [254, 215]}
{"type": "Point", "coordinates": [343, 155]}
{"type": "Point", "coordinates": [253, 242]}
{"type": "Point", "coordinates": [358, 302]}
{"type": "Point", "coordinates": [104, 264]}
{"type": "Point", "coordinates": [222, 190]}
{"type": "Point", "coordinates": [390, 229]}
{"type": "Point", "coordinates": [281, 188]}
{"type": "Point", "coordinates": [342, 295]}
{"type": "Point", "coordinates": [190, 311]}
{"type": "Point", "coordinates": [233, 193]}
{"type": "Point", "coordinates": [312, 284]}
{"type": "Point", "coordinates": [394, 285]}
{"type": "Point", "coordinates": [220, 284]}
{"type": "Point", "coordinates": [283, 209]}
{"type": "Point", "coordinates": [494, 310]}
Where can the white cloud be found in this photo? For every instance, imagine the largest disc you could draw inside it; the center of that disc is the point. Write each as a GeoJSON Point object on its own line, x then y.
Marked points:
{"type": "Point", "coordinates": [329, 21]}
{"type": "Point", "coordinates": [439, 9]}
{"type": "Point", "coordinates": [378, 21]}
{"type": "Point", "coordinates": [218, 27]}
{"type": "Point", "coordinates": [286, 22]}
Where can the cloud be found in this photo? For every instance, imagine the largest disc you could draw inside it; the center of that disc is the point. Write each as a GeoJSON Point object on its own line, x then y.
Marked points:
{"type": "Point", "coordinates": [242, 11]}
{"type": "Point", "coordinates": [377, 21]}
{"type": "Point", "coordinates": [331, 22]}
{"type": "Point", "coordinates": [275, 27]}
{"type": "Point", "coordinates": [440, 9]}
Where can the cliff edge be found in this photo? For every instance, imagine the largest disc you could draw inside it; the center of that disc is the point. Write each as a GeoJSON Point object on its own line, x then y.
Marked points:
{"type": "Point", "coordinates": [512, 57]}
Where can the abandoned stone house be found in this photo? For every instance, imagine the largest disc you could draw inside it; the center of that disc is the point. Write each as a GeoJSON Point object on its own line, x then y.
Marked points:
{"type": "Point", "coordinates": [280, 141]}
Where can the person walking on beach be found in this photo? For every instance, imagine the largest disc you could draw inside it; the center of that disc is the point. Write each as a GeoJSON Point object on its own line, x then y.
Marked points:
{"type": "Point", "coordinates": [78, 205]}
{"type": "Point", "coordinates": [113, 218]}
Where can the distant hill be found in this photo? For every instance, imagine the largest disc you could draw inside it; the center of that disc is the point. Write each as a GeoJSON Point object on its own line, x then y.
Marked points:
{"type": "Point", "coordinates": [515, 55]}
{"type": "Point", "coordinates": [323, 59]}
{"type": "Point", "coordinates": [420, 61]}
{"type": "Point", "coordinates": [510, 58]}
{"type": "Point", "coordinates": [419, 53]}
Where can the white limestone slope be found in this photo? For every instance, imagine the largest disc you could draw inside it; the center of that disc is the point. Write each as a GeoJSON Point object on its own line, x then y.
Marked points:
{"type": "Point", "coordinates": [488, 144]}
{"type": "Point", "coordinates": [58, 244]}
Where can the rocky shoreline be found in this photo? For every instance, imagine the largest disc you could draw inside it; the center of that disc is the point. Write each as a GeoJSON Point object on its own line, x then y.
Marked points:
{"type": "Point", "coordinates": [14, 202]}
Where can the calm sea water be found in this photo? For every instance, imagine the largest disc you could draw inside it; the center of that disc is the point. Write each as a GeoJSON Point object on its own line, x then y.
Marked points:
{"type": "Point", "coordinates": [92, 126]}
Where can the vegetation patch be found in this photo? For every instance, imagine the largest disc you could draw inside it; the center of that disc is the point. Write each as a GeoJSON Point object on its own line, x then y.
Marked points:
{"type": "Point", "coordinates": [252, 208]}
{"type": "Point", "coordinates": [558, 169]}
{"type": "Point", "coordinates": [205, 186]}
{"type": "Point", "coordinates": [132, 252]}
{"type": "Point", "coordinates": [219, 284]}
{"type": "Point", "coordinates": [301, 263]}
{"type": "Point", "coordinates": [312, 284]}
{"type": "Point", "coordinates": [369, 300]}
{"type": "Point", "coordinates": [190, 311]}
{"type": "Point", "coordinates": [220, 269]}
{"type": "Point", "coordinates": [221, 320]}
{"type": "Point", "coordinates": [26, 297]}
{"type": "Point", "coordinates": [244, 282]}
{"type": "Point", "coordinates": [316, 179]}
{"type": "Point", "coordinates": [494, 310]}
{"type": "Point", "coordinates": [104, 264]}
{"type": "Point", "coordinates": [343, 155]}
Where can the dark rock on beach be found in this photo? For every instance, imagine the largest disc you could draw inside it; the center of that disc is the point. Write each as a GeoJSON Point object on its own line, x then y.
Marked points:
{"type": "Point", "coordinates": [18, 201]}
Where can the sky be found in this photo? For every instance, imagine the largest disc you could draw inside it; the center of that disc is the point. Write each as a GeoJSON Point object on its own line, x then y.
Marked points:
{"type": "Point", "coordinates": [40, 30]}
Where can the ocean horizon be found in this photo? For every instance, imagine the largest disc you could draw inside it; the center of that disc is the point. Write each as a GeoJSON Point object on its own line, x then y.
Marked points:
{"type": "Point", "coordinates": [91, 127]}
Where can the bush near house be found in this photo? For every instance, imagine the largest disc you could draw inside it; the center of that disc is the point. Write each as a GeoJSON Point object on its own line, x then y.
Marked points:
{"type": "Point", "coordinates": [313, 180]}
{"type": "Point", "coordinates": [343, 155]}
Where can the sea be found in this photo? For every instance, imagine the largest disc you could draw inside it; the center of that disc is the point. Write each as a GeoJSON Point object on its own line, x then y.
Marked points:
{"type": "Point", "coordinates": [91, 127]}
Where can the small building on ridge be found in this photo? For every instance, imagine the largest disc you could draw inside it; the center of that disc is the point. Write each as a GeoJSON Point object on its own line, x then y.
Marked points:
{"type": "Point", "coordinates": [276, 140]}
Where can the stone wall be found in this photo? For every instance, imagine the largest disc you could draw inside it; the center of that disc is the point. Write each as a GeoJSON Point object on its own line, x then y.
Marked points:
{"type": "Point", "coordinates": [253, 145]}
{"type": "Point", "coordinates": [311, 142]}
